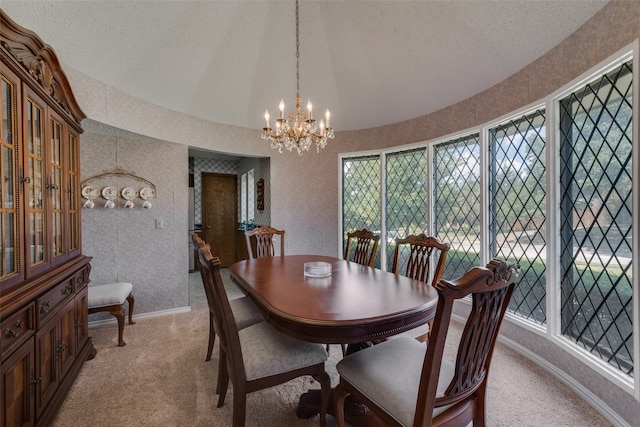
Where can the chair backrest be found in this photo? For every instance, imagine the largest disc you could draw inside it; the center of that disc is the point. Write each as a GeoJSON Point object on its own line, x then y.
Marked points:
{"type": "Point", "coordinates": [424, 253]}
{"type": "Point", "coordinates": [491, 288]}
{"type": "Point", "coordinates": [365, 249]}
{"type": "Point", "coordinates": [197, 244]}
{"type": "Point", "coordinates": [224, 324]}
{"type": "Point", "coordinates": [264, 241]}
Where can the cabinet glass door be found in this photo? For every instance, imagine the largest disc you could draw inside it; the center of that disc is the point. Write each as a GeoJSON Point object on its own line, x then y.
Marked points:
{"type": "Point", "coordinates": [73, 194]}
{"type": "Point", "coordinates": [55, 190]}
{"type": "Point", "coordinates": [34, 186]}
{"type": "Point", "coordinates": [9, 244]}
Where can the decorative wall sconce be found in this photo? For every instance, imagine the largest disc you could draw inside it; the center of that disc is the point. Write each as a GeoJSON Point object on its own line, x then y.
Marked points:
{"type": "Point", "coordinates": [111, 194]}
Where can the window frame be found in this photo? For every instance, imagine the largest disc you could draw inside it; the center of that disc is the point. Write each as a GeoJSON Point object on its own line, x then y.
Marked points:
{"type": "Point", "coordinates": [554, 297]}
{"type": "Point", "coordinates": [247, 197]}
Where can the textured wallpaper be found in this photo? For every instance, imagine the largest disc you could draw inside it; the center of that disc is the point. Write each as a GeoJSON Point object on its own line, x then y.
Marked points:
{"type": "Point", "coordinates": [126, 244]}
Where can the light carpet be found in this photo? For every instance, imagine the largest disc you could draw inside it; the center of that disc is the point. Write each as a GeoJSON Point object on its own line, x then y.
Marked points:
{"type": "Point", "coordinates": [160, 378]}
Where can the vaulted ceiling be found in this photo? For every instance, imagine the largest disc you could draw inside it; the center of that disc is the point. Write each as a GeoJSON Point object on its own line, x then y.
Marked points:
{"type": "Point", "coordinates": [371, 63]}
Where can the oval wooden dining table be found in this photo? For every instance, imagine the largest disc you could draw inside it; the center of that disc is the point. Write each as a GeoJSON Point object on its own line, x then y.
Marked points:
{"type": "Point", "coordinates": [354, 304]}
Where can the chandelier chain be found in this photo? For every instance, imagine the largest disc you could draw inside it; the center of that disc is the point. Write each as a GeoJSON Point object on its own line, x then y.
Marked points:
{"type": "Point", "coordinates": [297, 49]}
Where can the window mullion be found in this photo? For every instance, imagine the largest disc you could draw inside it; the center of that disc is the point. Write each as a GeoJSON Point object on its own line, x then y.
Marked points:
{"type": "Point", "coordinates": [552, 158]}
{"type": "Point", "coordinates": [384, 245]}
{"type": "Point", "coordinates": [486, 235]}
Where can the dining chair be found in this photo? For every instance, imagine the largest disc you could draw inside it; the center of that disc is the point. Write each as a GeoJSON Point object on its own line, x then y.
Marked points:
{"type": "Point", "coordinates": [263, 237]}
{"type": "Point", "coordinates": [364, 252]}
{"type": "Point", "coordinates": [245, 311]}
{"type": "Point", "coordinates": [365, 248]}
{"type": "Point", "coordinates": [407, 383]}
{"type": "Point", "coordinates": [259, 356]}
{"type": "Point", "coordinates": [425, 261]}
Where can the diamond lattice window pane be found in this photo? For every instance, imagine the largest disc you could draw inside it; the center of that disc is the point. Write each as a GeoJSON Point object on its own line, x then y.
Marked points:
{"type": "Point", "coordinates": [361, 196]}
{"type": "Point", "coordinates": [406, 191]}
{"type": "Point", "coordinates": [517, 218]}
{"type": "Point", "coordinates": [596, 217]}
{"type": "Point", "coordinates": [457, 202]}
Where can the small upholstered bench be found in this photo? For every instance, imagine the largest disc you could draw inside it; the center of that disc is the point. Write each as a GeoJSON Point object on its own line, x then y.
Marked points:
{"type": "Point", "coordinates": [110, 298]}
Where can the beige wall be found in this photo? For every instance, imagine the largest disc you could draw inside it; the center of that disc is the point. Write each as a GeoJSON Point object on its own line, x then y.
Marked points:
{"type": "Point", "coordinates": [304, 190]}
{"type": "Point", "coordinates": [125, 244]}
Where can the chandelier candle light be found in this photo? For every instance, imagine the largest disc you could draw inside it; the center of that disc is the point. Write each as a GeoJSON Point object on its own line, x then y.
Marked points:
{"type": "Point", "coordinates": [299, 130]}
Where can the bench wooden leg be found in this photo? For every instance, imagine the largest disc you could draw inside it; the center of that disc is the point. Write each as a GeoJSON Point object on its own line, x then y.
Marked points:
{"type": "Point", "coordinates": [104, 294]}
{"type": "Point", "coordinates": [131, 301]}
{"type": "Point", "coordinates": [119, 314]}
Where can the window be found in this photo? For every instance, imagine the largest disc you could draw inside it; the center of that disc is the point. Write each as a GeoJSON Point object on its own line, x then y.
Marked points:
{"type": "Point", "coordinates": [596, 217]}
{"type": "Point", "coordinates": [243, 198]}
{"type": "Point", "coordinates": [247, 197]}
{"type": "Point", "coordinates": [406, 201]}
{"type": "Point", "coordinates": [485, 193]}
{"type": "Point", "coordinates": [251, 196]}
{"type": "Point", "coordinates": [517, 220]}
{"type": "Point", "coordinates": [360, 195]}
{"type": "Point", "coordinates": [456, 207]}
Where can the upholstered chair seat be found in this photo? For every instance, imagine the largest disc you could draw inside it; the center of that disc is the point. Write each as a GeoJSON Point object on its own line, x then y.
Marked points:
{"type": "Point", "coordinates": [245, 312]}
{"type": "Point", "coordinates": [395, 386]}
{"type": "Point", "coordinates": [267, 352]}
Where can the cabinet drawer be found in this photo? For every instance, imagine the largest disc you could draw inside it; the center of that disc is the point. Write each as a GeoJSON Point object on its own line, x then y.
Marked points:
{"type": "Point", "coordinates": [48, 304]}
{"type": "Point", "coordinates": [82, 278]}
{"type": "Point", "coordinates": [15, 329]}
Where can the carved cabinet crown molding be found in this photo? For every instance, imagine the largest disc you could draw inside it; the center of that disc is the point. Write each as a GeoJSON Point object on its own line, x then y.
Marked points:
{"type": "Point", "coordinates": [40, 63]}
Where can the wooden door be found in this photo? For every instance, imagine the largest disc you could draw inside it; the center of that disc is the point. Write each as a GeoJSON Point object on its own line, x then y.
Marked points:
{"type": "Point", "coordinates": [220, 215]}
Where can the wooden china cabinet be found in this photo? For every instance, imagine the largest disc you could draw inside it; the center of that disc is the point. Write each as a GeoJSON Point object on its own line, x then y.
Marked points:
{"type": "Point", "coordinates": [44, 337]}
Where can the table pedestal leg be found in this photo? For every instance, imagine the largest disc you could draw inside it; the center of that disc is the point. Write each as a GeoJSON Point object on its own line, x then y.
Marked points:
{"type": "Point", "coordinates": [355, 413]}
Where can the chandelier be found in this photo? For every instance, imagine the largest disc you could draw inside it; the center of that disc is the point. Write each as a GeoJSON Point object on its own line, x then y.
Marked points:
{"type": "Point", "coordinates": [299, 129]}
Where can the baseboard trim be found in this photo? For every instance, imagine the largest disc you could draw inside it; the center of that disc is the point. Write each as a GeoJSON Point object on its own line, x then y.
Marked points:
{"type": "Point", "coordinates": [112, 319]}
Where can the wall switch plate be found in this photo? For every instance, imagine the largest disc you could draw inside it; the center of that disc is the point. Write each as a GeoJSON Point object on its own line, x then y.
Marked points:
{"type": "Point", "coordinates": [159, 223]}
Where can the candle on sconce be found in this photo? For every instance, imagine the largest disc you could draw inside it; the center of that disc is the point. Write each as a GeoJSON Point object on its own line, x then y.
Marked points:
{"type": "Point", "coordinates": [327, 115]}
{"type": "Point", "coordinates": [281, 106]}
{"type": "Point", "coordinates": [266, 117]}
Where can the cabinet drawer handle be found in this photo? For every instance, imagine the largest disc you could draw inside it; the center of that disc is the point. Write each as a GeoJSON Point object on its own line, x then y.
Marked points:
{"type": "Point", "coordinates": [44, 307]}
{"type": "Point", "coordinates": [15, 333]}
{"type": "Point", "coordinates": [67, 289]}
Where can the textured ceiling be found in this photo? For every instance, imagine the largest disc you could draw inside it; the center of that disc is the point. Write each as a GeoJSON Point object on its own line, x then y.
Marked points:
{"type": "Point", "coordinates": [371, 63]}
